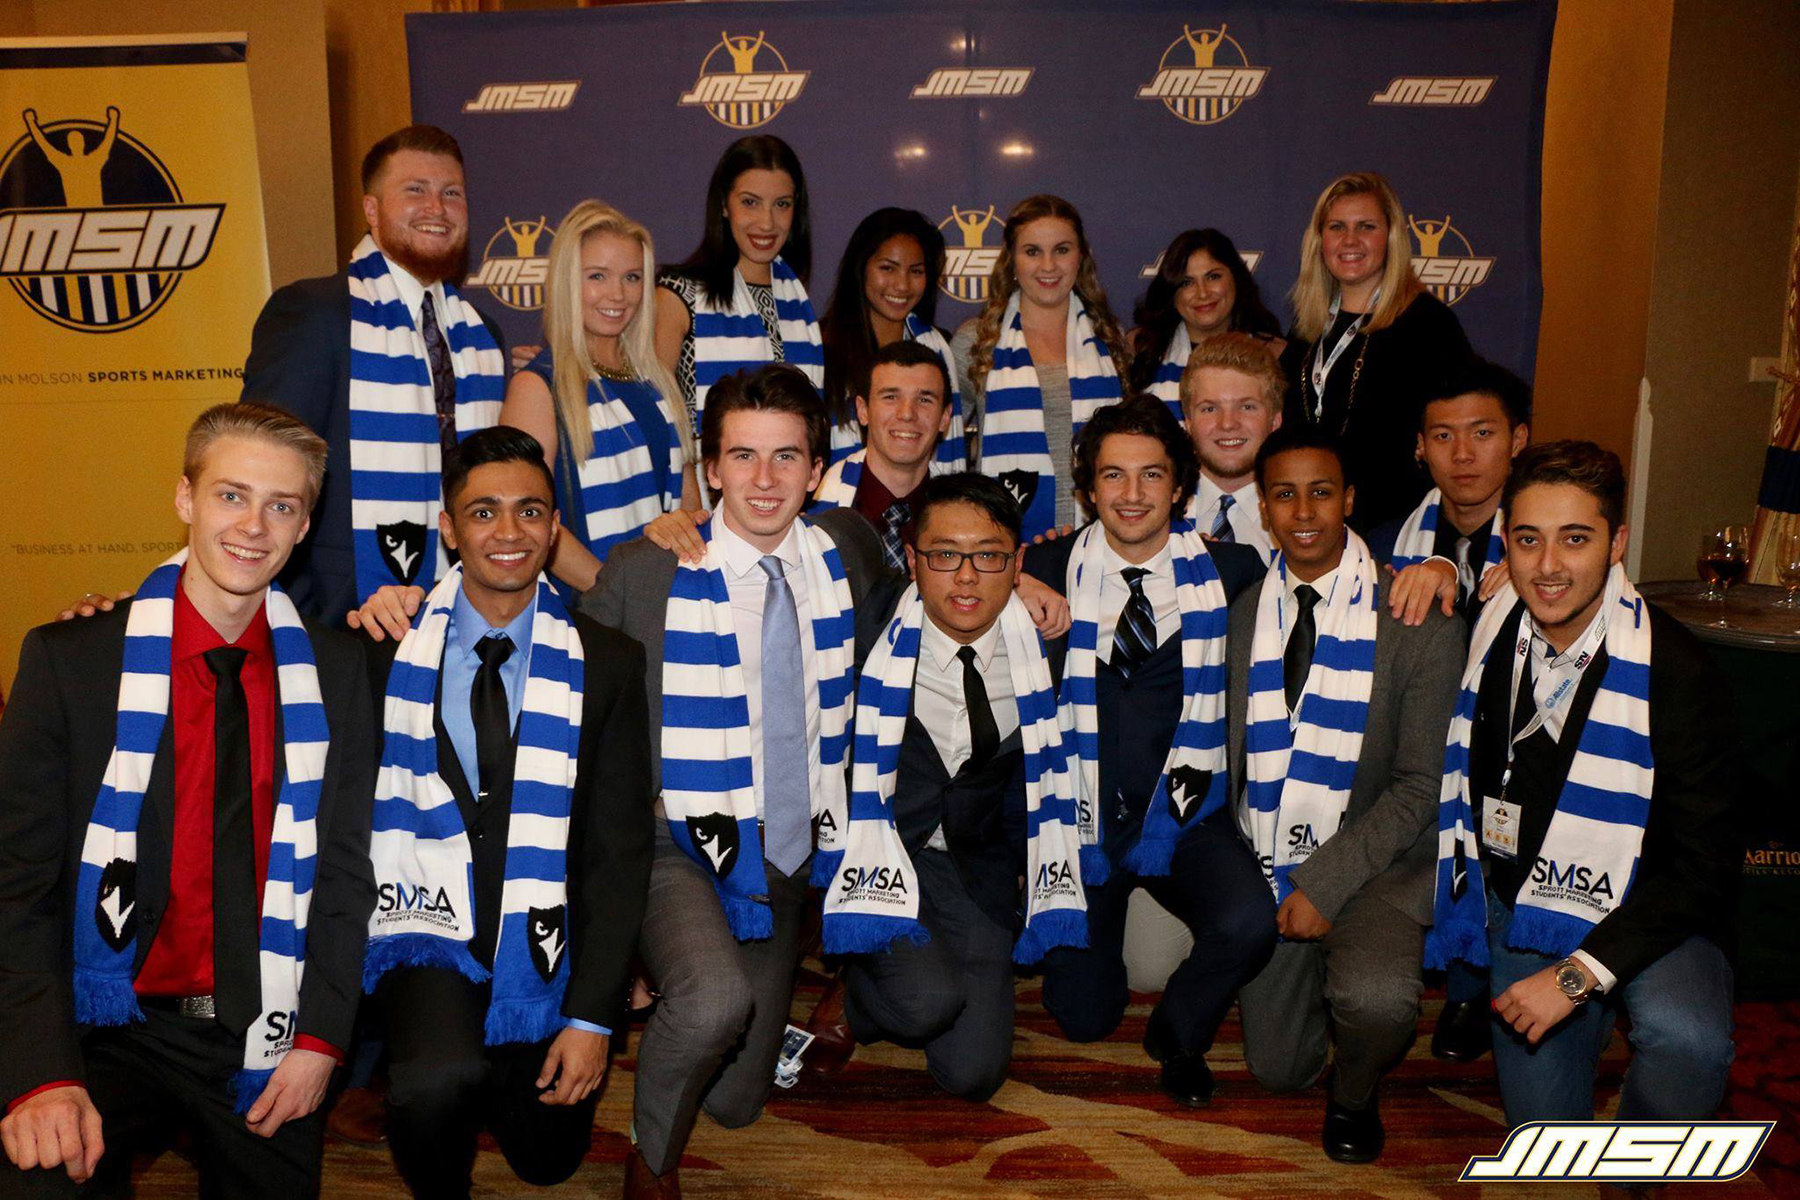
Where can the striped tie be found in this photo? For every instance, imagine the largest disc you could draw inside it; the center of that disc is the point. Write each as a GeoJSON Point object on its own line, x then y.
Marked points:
{"type": "Point", "coordinates": [1221, 530]}
{"type": "Point", "coordinates": [1135, 637]}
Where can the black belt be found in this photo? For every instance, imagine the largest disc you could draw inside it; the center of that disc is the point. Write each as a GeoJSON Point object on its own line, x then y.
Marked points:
{"type": "Point", "coordinates": [200, 1008]}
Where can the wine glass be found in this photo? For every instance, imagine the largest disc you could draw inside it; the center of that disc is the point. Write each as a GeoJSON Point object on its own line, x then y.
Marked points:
{"type": "Point", "coordinates": [1724, 559]}
{"type": "Point", "coordinates": [1787, 567]}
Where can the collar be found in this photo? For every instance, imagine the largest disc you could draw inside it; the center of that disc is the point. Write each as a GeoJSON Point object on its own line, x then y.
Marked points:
{"type": "Point", "coordinates": [192, 634]}
{"type": "Point", "coordinates": [1160, 564]}
{"type": "Point", "coordinates": [741, 558]}
{"type": "Point", "coordinates": [1209, 493]}
{"type": "Point", "coordinates": [940, 648]}
{"type": "Point", "coordinates": [468, 626]}
{"type": "Point", "coordinates": [879, 495]}
{"type": "Point", "coordinates": [1321, 585]}
{"type": "Point", "coordinates": [412, 291]}
{"type": "Point", "coordinates": [1580, 651]}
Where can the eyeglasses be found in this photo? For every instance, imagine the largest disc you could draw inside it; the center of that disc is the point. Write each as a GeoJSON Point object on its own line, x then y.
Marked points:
{"type": "Point", "coordinates": [988, 562]}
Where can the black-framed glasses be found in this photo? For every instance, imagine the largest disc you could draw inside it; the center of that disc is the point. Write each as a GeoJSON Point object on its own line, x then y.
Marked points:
{"type": "Point", "coordinates": [988, 562]}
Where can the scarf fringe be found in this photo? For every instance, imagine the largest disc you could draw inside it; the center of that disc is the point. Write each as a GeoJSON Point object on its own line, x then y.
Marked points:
{"type": "Point", "coordinates": [1454, 941]}
{"type": "Point", "coordinates": [522, 1021]}
{"type": "Point", "coordinates": [247, 1088]}
{"type": "Point", "coordinates": [1049, 930]}
{"type": "Point", "coordinates": [419, 950]}
{"type": "Point", "coordinates": [1151, 856]}
{"type": "Point", "coordinates": [105, 999]}
{"type": "Point", "coordinates": [1545, 931]}
{"type": "Point", "coordinates": [1096, 868]}
{"type": "Point", "coordinates": [865, 933]}
{"type": "Point", "coordinates": [749, 920]}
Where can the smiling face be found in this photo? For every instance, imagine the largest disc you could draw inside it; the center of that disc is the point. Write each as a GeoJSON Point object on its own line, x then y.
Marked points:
{"type": "Point", "coordinates": [1354, 240]}
{"type": "Point", "coordinates": [1134, 494]}
{"type": "Point", "coordinates": [1468, 448]}
{"type": "Point", "coordinates": [1046, 260]}
{"type": "Point", "coordinates": [764, 473]}
{"type": "Point", "coordinates": [418, 214]}
{"type": "Point", "coordinates": [1559, 551]}
{"type": "Point", "coordinates": [503, 522]}
{"type": "Point", "coordinates": [245, 512]}
{"type": "Point", "coordinates": [1304, 503]}
{"type": "Point", "coordinates": [894, 278]}
{"type": "Point", "coordinates": [964, 602]}
{"type": "Point", "coordinates": [1229, 417]}
{"type": "Point", "coordinates": [612, 283]}
{"type": "Point", "coordinates": [1206, 296]}
{"type": "Point", "coordinates": [760, 209]}
{"type": "Point", "coordinates": [906, 412]}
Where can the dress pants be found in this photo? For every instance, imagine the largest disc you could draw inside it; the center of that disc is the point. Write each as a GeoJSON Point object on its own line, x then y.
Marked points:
{"type": "Point", "coordinates": [170, 1073]}
{"type": "Point", "coordinates": [1681, 1047]}
{"type": "Point", "coordinates": [716, 1032]}
{"type": "Point", "coordinates": [1365, 975]}
{"type": "Point", "coordinates": [1217, 890]}
{"type": "Point", "coordinates": [445, 1085]}
{"type": "Point", "coordinates": [952, 996]}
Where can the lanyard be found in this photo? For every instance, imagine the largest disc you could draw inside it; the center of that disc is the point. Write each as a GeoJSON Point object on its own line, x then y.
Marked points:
{"type": "Point", "coordinates": [1321, 370]}
{"type": "Point", "coordinates": [1589, 644]}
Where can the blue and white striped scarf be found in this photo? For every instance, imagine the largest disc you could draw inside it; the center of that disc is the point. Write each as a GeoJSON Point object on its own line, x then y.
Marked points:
{"type": "Point", "coordinates": [106, 887]}
{"type": "Point", "coordinates": [619, 495]}
{"type": "Point", "coordinates": [419, 847]}
{"type": "Point", "coordinates": [1299, 770]}
{"type": "Point", "coordinates": [1599, 818]}
{"type": "Point", "coordinates": [709, 791]}
{"type": "Point", "coordinates": [1014, 447]}
{"type": "Point", "coordinates": [953, 448]}
{"type": "Point", "coordinates": [1417, 539]}
{"type": "Point", "coordinates": [734, 338]}
{"type": "Point", "coordinates": [1165, 385]}
{"type": "Point", "coordinates": [1178, 803]}
{"type": "Point", "coordinates": [396, 467]}
{"type": "Point", "coordinates": [872, 889]}
{"type": "Point", "coordinates": [837, 487]}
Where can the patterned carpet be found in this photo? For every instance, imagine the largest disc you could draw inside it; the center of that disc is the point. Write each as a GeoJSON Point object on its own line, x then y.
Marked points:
{"type": "Point", "coordinates": [1088, 1121]}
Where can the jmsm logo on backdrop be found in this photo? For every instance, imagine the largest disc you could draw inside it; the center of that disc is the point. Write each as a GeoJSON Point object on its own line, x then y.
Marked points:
{"type": "Point", "coordinates": [511, 267]}
{"type": "Point", "coordinates": [1623, 1152]}
{"type": "Point", "coordinates": [968, 257]}
{"type": "Point", "coordinates": [1204, 76]}
{"type": "Point", "coordinates": [1435, 91]}
{"type": "Point", "coordinates": [524, 97]}
{"type": "Point", "coordinates": [744, 82]}
{"type": "Point", "coordinates": [96, 235]}
{"type": "Point", "coordinates": [1443, 259]}
{"type": "Point", "coordinates": [1250, 257]}
{"type": "Point", "coordinates": [950, 82]}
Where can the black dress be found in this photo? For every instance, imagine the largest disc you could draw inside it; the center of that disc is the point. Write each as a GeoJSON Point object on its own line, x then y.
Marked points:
{"type": "Point", "coordinates": [1379, 423]}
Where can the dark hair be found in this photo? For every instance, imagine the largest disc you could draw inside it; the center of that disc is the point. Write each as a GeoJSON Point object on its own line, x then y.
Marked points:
{"type": "Point", "coordinates": [844, 325]}
{"type": "Point", "coordinates": [1144, 414]}
{"type": "Point", "coordinates": [1155, 315]}
{"type": "Point", "coordinates": [427, 139]}
{"type": "Point", "coordinates": [1477, 376]}
{"type": "Point", "coordinates": [906, 353]}
{"type": "Point", "coordinates": [772, 387]}
{"type": "Point", "coordinates": [716, 257]}
{"type": "Point", "coordinates": [495, 444]}
{"type": "Point", "coordinates": [969, 487]}
{"type": "Point", "coordinates": [1595, 471]}
{"type": "Point", "coordinates": [1300, 435]}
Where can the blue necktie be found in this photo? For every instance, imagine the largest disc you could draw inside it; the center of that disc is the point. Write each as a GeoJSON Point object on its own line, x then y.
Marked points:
{"type": "Point", "coordinates": [1134, 637]}
{"type": "Point", "coordinates": [786, 778]}
{"type": "Point", "coordinates": [1221, 530]}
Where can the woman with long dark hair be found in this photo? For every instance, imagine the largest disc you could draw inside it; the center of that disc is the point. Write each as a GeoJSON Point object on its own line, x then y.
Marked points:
{"type": "Point", "coordinates": [886, 292]}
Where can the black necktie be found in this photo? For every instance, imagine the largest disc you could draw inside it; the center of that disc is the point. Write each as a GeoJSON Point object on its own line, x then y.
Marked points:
{"type": "Point", "coordinates": [984, 734]}
{"type": "Point", "coordinates": [1296, 660]}
{"type": "Point", "coordinates": [443, 375]}
{"type": "Point", "coordinates": [893, 520]}
{"type": "Point", "coordinates": [491, 715]}
{"type": "Point", "coordinates": [1134, 638]}
{"type": "Point", "coordinates": [237, 975]}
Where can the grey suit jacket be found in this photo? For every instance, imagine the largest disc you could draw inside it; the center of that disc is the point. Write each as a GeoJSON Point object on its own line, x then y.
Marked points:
{"type": "Point", "coordinates": [1387, 845]}
{"type": "Point", "coordinates": [632, 596]}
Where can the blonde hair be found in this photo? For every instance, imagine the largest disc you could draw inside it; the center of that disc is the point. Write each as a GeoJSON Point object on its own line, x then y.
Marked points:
{"type": "Point", "coordinates": [1002, 283]}
{"type": "Point", "coordinates": [1244, 353]}
{"type": "Point", "coordinates": [566, 333]}
{"type": "Point", "coordinates": [1313, 291]}
{"type": "Point", "coordinates": [257, 421]}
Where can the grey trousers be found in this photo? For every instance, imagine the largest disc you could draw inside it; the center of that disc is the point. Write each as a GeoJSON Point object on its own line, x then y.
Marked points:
{"type": "Point", "coordinates": [1364, 975]}
{"type": "Point", "coordinates": [716, 1032]}
{"type": "Point", "coordinates": [953, 996]}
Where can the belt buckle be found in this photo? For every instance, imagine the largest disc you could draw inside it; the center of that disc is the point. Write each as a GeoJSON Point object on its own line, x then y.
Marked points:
{"type": "Point", "coordinates": [197, 1007]}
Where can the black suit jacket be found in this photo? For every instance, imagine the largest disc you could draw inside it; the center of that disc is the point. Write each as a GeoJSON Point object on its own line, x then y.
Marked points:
{"type": "Point", "coordinates": [300, 361]}
{"type": "Point", "coordinates": [1138, 716]}
{"type": "Point", "coordinates": [1693, 846]}
{"type": "Point", "coordinates": [610, 824]}
{"type": "Point", "coordinates": [55, 740]}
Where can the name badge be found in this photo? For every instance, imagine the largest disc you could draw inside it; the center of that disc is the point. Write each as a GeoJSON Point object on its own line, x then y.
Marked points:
{"type": "Point", "coordinates": [1500, 827]}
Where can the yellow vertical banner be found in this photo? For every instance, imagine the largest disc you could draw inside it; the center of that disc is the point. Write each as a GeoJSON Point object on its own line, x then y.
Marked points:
{"type": "Point", "coordinates": [132, 267]}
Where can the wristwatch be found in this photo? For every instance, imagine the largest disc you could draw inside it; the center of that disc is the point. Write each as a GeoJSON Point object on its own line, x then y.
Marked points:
{"type": "Point", "coordinates": [1572, 979]}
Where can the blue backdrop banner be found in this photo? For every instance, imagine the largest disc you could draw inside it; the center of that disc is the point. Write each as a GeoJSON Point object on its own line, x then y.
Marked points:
{"type": "Point", "coordinates": [1151, 117]}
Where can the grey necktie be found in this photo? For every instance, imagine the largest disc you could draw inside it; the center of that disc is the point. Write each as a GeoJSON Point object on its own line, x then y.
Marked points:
{"type": "Point", "coordinates": [1221, 530]}
{"type": "Point", "coordinates": [786, 779]}
{"type": "Point", "coordinates": [1465, 571]}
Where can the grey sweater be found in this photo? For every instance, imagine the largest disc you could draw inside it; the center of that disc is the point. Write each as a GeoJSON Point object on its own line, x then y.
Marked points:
{"type": "Point", "coordinates": [1053, 385]}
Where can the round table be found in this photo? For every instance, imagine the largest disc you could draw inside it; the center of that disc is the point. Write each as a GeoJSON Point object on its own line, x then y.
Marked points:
{"type": "Point", "coordinates": [1755, 623]}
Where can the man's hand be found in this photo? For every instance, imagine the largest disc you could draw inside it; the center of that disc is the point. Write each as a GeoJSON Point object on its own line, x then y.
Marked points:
{"type": "Point", "coordinates": [1535, 1005]}
{"type": "Point", "coordinates": [91, 603]}
{"type": "Point", "coordinates": [391, 608]}
{"type": "Point", "coordinates": [55, 1128]}
{"type": "Point", "coordinates": [576, 1062]}
{"type": "Point", "coordinates": [295, 1090]}
{"type": "Point", "coordinates": [1492, 579]}
{"type": "Point", "coordinates": [1298, 921]}
{"type": "Point", "coordinates": [1415, 588]}
{"type": "Point", "coordinates": [679, 531]}
{"type": "Point", "coordinates": [1051, 534]}
{"type": "Point", "coordinates": [521, 356]}
{"type": "Point", "coordinates": [1049, 611]}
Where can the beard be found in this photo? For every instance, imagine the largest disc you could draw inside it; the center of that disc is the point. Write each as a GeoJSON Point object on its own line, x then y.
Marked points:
{"type": "Point", "coordinates": [426, 267]}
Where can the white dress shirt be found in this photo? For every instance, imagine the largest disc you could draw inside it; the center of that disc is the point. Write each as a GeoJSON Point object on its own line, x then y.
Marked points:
{"type": "Point", "coordinates": [1159, 589]}
{"type": "Point", "coordinates": [746, 583]}
{"type": "Point", "coordinates": [1290, 604]}
{"type": "Point", "coordinates": [942, 706]}
{"type": "Point", "coordinates": [1244, 515]}
{"type": "Point", "coordinates": [412, 294]}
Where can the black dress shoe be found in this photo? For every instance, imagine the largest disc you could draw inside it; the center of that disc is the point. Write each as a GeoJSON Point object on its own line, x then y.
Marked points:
{"type": "Point", "coordinates": [1464, 1031]}
{"type": "Point", "coordinates": [1352, 1135]}
{"type": "Point", "coordinates": [1186, 1079]}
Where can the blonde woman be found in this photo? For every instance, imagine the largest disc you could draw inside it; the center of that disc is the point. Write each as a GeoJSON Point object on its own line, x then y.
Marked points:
{"type": "Point", "coordinates": [607, 411]}
{"type": "Point", "coordinates": [1042, 356]}
{"type": "Point", "coordinates": [1371, 342]}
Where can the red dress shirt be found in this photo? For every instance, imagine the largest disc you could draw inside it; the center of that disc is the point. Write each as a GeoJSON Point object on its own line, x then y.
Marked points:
{"type": "Point", "coordinates": [873, 498]}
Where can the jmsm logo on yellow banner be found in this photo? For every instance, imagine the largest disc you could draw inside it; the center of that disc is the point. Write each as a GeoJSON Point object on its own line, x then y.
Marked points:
{"type": "Point", "coordinates": [511, 268]}
{"type": "Point", "coordinates": [97, 234]}
{"type": "Point", "coordinates": [1204, 76]}
{"type": "Point", "coordinates": [737, 86]}
{"type": "Point", "coordinates": [1443, 259]}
